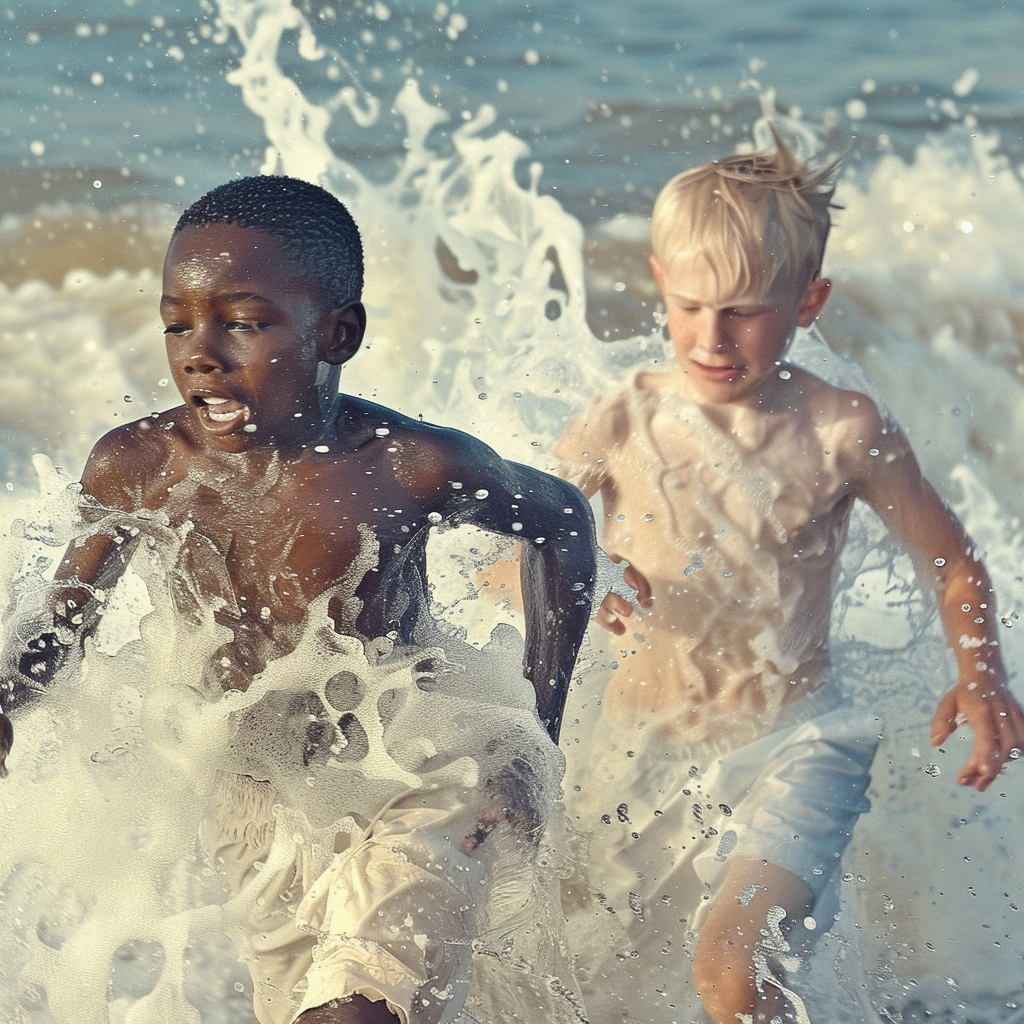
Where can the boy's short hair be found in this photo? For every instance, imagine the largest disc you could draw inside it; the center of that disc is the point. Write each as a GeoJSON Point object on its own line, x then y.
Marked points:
{"type": "Point", "coordinates": [759, 218]}
{"type": "Point", "coordinates": [318, 232]}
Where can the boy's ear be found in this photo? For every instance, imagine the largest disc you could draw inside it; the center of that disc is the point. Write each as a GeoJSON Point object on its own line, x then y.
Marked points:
{"type": "Point", "coordinates": [814, 298]}
{"type": "Point", "coordinates": [345, 333]}
{"type": "Point", "coordinates": [657, 271]}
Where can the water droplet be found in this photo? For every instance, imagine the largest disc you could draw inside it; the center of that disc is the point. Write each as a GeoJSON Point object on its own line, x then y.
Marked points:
{"type": "Point", "coordinates": [940, 562]}
{"type": "Point", "coordinates": [128, 398]}
{"type": "Point", "coordinates": [482, 396]}
{"type": "Point", "coordinates": [636, 904]}
{"type": "Point", "coordinates": [434, 518]}
{"type": "Point", "coordinates": [516, 527]}
{"type": "Point", "coordinates": [1014, 753]}
{"type": "Point", "coordinates": [810, 924]}
{"type": "Point", "coordinates": [162, 382]}
{"type": "Point", "coordinates": [97, 183]}
{"type": "Point", "coordinates": [481, 494]}
{"type": "Point", "coordinates": [382, 431]}
{"type": "Point", "coordinates": [932, 770]}
{"type": "Point", "coordinates": [872, 451]}
{"type": "Point", "coordinates": [321, 448]}
{"type": "Point", "coordinates": [250, 428]}
{"type": "Point", "coordinates": [785, 374]}
{"type": "Point", "coordinates": [648, 516]}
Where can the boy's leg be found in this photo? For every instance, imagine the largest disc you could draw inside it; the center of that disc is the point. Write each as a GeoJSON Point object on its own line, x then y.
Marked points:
{"type": "Point", "coordinates": [357, 1010]}
{"type": "Point", "coordinates": [732, 942]}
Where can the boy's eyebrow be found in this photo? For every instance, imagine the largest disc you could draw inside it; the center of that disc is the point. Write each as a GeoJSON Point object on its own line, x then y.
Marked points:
{"type": "Point", "coordinates": [740, 304]}
{"type": "Point", "coordinates": [170, 300]}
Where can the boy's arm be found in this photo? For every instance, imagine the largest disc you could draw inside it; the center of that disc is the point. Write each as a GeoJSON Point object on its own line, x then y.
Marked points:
{"type": "Point", "coordinates": [892, 483]}
{"type": "Point", "coordinates": [557, 579]}
{"type": "Point", "coordinates": [87, 567]}
{"type": "Point", "coordinates": [555, 528]}
{"type": "Point", "coordinates": [580, 453]}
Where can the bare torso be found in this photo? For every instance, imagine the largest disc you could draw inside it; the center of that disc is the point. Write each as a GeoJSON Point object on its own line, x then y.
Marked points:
{"type": "Point", "coordinates": [736, 517]}
{"type": "Point", "coordinates": [347, 512]}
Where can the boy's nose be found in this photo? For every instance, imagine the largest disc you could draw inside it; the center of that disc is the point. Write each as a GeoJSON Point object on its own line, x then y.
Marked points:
{"type": "Point", "coordinates": [713, 335]}
{"type": "Point", "coordinates": [203, 354]}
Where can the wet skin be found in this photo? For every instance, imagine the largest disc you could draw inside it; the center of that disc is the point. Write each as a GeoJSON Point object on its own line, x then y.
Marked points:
{"type": "Point", "coordinates": [730, 345]}
{"type": "Point", "coordinates": [289, 504]}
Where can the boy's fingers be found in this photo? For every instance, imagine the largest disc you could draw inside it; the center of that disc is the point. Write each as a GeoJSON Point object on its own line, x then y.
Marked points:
{"type": "Point", "coordinates": [616, 604]}
{"type": "Point", "coordinates": [489, 818]}
{"type": "Point", "coordinates": [999, 740]}
{"type": "Point", "coordinates": [612, 611]}
{"type": "Point", "coordinates": [477, 836]}
{"type": "Point", "coordinates": [636, 579]}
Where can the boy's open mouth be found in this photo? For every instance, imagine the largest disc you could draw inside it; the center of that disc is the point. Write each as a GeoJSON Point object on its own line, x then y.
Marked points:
{"type": "Point", "coordinates": [220, 413]}
{"type": "Point", "coordinates": [719, 372]}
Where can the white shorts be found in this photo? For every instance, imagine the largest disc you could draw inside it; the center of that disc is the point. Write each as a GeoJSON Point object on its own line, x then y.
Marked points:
{"type": "Point", "coordinates": [392, 917]}
{"type": "Point", "coordinates": [400, 913]}
{"type": "Point", "coordinates": [666, 824]}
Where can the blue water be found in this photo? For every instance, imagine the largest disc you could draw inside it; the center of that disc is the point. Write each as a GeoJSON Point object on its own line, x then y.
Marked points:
{"type": "Point", "coordinates": [612, 97]}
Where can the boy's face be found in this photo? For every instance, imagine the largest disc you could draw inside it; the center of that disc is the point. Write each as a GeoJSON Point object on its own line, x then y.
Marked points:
{"type": "Point", "coordinates": [728, 341]}
{"type": "Point", "coordinates": [246, 337]}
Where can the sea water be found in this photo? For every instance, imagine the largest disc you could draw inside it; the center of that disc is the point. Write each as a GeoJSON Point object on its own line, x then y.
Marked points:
{"type": "Point", "coordinates": [501, 159]}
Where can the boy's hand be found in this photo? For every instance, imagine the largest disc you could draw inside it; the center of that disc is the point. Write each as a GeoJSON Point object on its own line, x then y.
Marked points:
{"type": "Point", "coordinates": [998, 723]}
{"type": "Point", "coordinates": [489, 818]}
{"type": "Point", "coordinates": [616, 608]}
{"type": "Point", "coordinates": [43, 658]}
{"type": "Point", "coordinates": [38, 664]}
{"type": "Point", "coordinates": [6, 742]}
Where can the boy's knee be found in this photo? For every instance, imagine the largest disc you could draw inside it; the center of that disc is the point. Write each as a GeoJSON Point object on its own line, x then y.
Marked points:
{"type": "Point", "coordinates": [727, 984]}
{"type": "Point", "coordinates": [724, 972]}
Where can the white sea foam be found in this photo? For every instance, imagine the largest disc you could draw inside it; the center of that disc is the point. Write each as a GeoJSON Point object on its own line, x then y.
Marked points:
{"type": "Point", "coordinates": [477, 307]}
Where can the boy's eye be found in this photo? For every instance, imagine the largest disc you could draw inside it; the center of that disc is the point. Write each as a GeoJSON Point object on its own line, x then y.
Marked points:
{"type": "Point", "coordinates": [245, 325]}
{"type": "Point", "coordinates": [175, 328]}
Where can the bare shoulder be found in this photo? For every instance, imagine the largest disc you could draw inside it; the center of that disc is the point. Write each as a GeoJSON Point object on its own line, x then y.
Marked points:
{"type": "Point", "coordinates": [860, 434]}
{"type": "Point", "coordinates": [451, 471]}
{"type": "Point", "coordinates": [124, 461]}
{"type": "Point", "coordinates": [606, 421]}
{"type": "Point", "coordinates": [839, 409]}
{"type": "Point", "coordinates": [425, 454]}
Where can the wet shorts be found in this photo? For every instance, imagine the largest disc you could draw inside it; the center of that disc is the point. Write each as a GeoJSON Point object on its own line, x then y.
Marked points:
{"type": "Point", "coordinates": [392, 917]}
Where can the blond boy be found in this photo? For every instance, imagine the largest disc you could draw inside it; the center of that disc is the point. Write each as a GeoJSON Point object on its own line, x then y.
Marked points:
{"type": "Point", "coordinates": [731, 773]}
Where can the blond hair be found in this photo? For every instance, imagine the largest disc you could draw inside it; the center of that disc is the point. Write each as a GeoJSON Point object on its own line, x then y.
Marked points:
{"type": "Point", "coordinates": [759, 219]}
